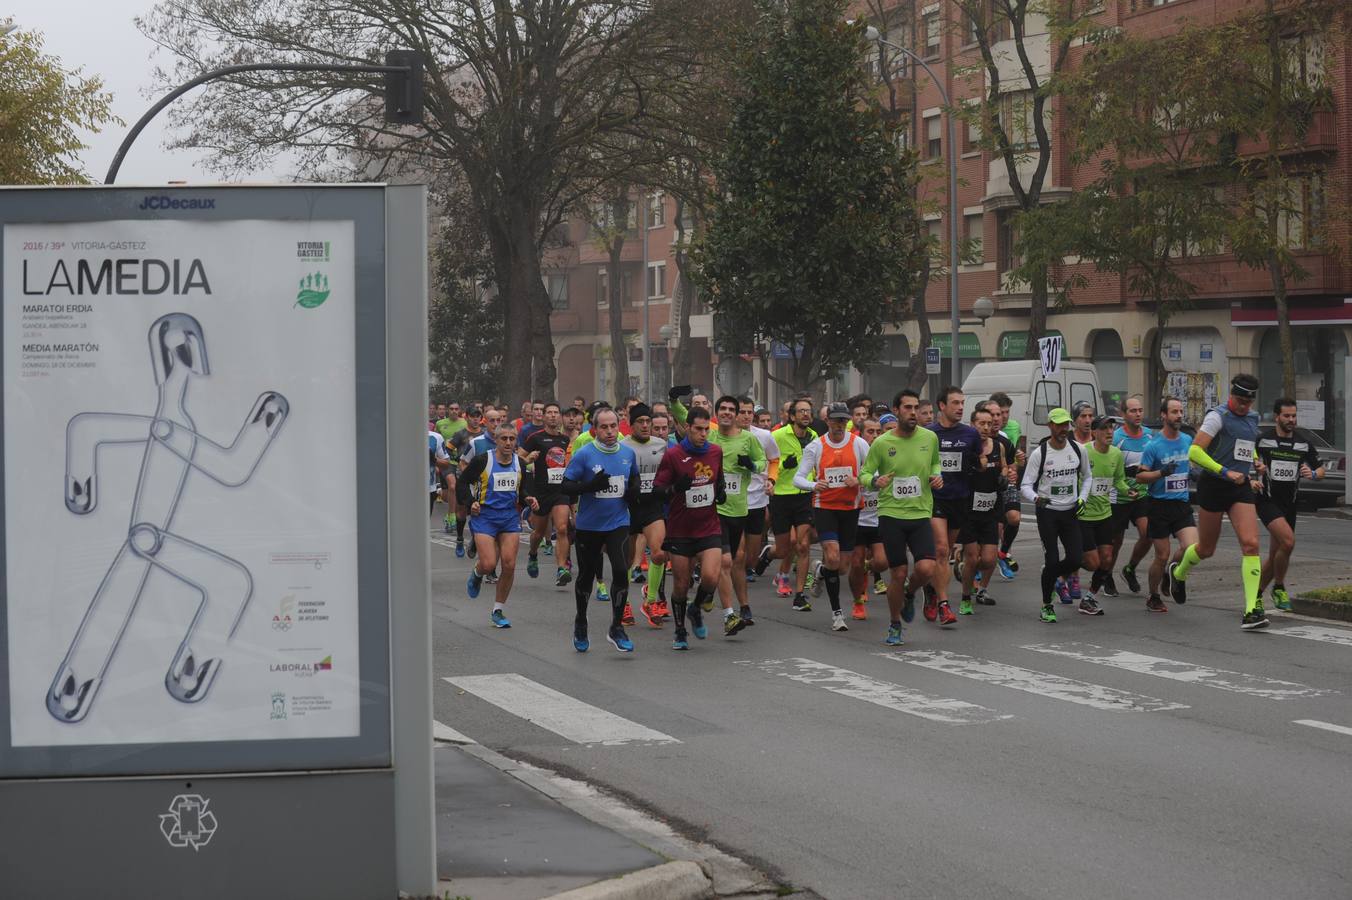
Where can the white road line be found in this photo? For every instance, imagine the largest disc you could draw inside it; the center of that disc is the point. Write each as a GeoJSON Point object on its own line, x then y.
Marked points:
{"type": "Point", "coordinates": [880, 693]}
{"type": "Point", "coordinates": [1029, 681]}
{"type": "Point", "coordinates": [1317, 633]}
{"type": "Point", "coordinates": [442, 732]}
{"type": "Point", "coordinates": [565, 716]}
{"type": "Point", "coordinates": [1325, 726]}
{"type": "Point", "coordinates": [1221, 679]}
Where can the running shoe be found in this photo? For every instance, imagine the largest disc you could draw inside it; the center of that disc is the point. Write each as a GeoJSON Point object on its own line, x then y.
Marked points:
{"type": "Point", "coordinates": [732, 624]}
{"type": "Point", "coordinates": [745, 613]}
{"type": "Point", "coordinates": [533, 566]}
{"type": "Point", "coordinates": [763, 561]}
{"type": "Point", "coordinates": [1062, 591]}
{"type": "Point", "coordinates": [580, 642]}
{"type": "Point", "coordinates": [602, 593]}
{"type": "Point", "coordinates": [499, 620]}
{"type": "Point", "coordinates": [679, 641]}
{"type": "Point", "coordinates": [931, 608]}
{"type": "Point", "coordinates": [976, 579]}
{"type": "Point", "coordinates": [649, 611]}
{"type": "Point", "coordinates": [1155, 604]}
{"type": "Point", "coordinates": [1177, 589]}
{"type": "Point", "coordinates": [946, 616]}
{"type": "Point", "coordinates": [636, 576]}
{"type": "Point", "coordinates": [879, 586]}
{"type": "Point", "coordinates": [447, 526]}
{"type": "Point", "coordinates": [473, 584]}
{"type": "Point", "coordinates": [1109, 585]}
{"type": "Point", "coordinates": [965, 607]}
{"type": "Point", "coordinates": [697, 621]}
{"type": "Point", "coordinates": [1254, 619]}
{"type": "Point", "coordinates": [1089, 606]}
{"type": "Point", "coordinates": [908, 608]}
{"type": "Point", "coordinates": [1048, 614]}
{"type": "Point", "coordinates": [893, 638]}
{"type": "Point", "coordinates": [547, 548]}
{"type": "Point", "coordinates": [663, 611]}
{"type": "Point", "coordinates": [564, 576]}
{"type": "Point", "coordinates": [619, 640]}
{"type": "Point", "coordinates": [782, 588]}
{"type": "Point", "coordinates": [750, 576]}
{"type": "Point", "coordinates": [1005, 571]}
{"type": "Point", "coordinates": [800, 603]}
{"type": "Point", "coordinates": [957, 565]}
{"type": "Point", "coordinates": [473, 551]}
{"type": "Point", "coordinates": [459, 549]}
{"type": "Point", "coordinates": [1280, 599]}
{"type": "Point", "coordinates": [1129, 574]}
{"type": "Point", "coordinates": [983, 598]}
{"type": "Point", "coordinates": [708, 604]}
{"type": "Point", "coordinates": [838, 621]}
{"type": "Point", "coordinates": [627, 617]}
{"type": "Point", "coordinates": [1073, 584]}
{"type": "Point", "coordinates": [813, 582]}
{"type": "Point", "coordinates": [491, 578]}
{"type": "Point", "coordinates": [859, 613]}
{"type": "Point", "coordinates": [1013, 563]}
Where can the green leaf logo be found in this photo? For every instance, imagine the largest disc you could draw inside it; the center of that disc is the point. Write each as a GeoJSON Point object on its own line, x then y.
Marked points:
{"type": "Point", "coordinates": [314, 290]}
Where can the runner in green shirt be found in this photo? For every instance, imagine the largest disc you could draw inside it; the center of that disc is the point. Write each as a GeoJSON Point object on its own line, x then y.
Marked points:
{"type": "Point", "coordinates": [903, 467]}
{"type": "Point", "coordinates": [743, 457]}
{"type": "Point", "coordinates": [1108, 470]}
{"type": "Point", "coordinates": [791, 508]}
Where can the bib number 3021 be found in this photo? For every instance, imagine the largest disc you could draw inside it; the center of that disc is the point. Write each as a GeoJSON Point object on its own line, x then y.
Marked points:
{"type": "Point", "coordinates": [906, 488]}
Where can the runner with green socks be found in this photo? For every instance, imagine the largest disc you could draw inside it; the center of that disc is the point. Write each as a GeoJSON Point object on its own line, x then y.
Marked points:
{"type": "Point", "coordinates": [743, 457]}
{"type": "Point", "coordinates": [1224, 448]}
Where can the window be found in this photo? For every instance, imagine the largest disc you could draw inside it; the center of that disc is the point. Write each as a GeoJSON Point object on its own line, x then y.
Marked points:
{"type": "Point", "coordinates": [933, 32]}
{"type": "Point", "coordinates": [602, 288]}
{"type": "Point", "coordinates": [657, 279]}
{"type": "Point", "coordinates": [558, 290]}
{"type": "Point", "coordinates": [977, 25]}
{"type": "Point", "coordinates": [1046, 397]}
{"type": "Point", "coordinates": [972, 113]}
{"type": "Point", "coordinates": [976, 244]}
{"type": "Point", "coordinates": [657, 210]}
{"type": "Point", "coordinates": [934, 144]}
{"type": "Point", "coordinates": [1300, 211]}
{"type": "Point", "coordinates": [1016, 118]}
{"type": "Point", "coordinates": [1304, 55]}
{"type": "Point", "coordinates": [1079, 391]}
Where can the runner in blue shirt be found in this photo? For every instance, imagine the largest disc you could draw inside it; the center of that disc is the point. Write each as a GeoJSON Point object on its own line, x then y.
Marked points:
{"type": "Point", "coordinates": [1164, 466]}
{"type": "Point", "coordinates": [1131, 437]}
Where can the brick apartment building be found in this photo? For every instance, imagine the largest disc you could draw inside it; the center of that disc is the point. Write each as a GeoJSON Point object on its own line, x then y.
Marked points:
{"type": "Point", "coordinates": [1230, 329]}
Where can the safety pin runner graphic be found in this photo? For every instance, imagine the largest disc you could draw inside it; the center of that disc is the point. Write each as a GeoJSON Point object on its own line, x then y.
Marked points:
{"type": "Point", "coordinates": [173, 449]}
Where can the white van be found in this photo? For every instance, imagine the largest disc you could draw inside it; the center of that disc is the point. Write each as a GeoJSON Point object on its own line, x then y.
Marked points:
{"type": "Point", "coordinates": [1034, 396]}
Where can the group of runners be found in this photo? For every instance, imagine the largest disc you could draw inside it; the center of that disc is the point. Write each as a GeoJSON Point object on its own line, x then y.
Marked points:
{"type": "Point", "coordinates": [908, 499]}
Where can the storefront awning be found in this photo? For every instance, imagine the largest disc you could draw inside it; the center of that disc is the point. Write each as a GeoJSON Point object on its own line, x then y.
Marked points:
{"type": "Point", "coordinates": [1300, 315]}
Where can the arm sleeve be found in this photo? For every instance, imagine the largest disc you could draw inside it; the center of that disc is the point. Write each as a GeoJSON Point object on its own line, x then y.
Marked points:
{"type": "Point", "coordinates": [1199, 456]}
{"type": "Point", "coordinates": [1028, 488]}
{"type": "Point", "coordinates": [720, 491]}
{"type": "Point", "coordinates": [679, 411]}
{"type": "Point", "coordinates": [665, 475]}
{"type": "Point", "coordinates": [1086, 475]}
{"type": "Point", "coordinates": [861, 453]}
{"type": "Point", "coordinates": [757, 454]}
{"type": "Point", "coordinates": [468, 477]}
{"type": "Point", "coordinates": [772, 470]}
{"type": "Point", "coordinates": [1120, 476]}
{"type": "Point", "coordinates": [936, 466]}
{"type": "Point", "coordinates": [807, 466]}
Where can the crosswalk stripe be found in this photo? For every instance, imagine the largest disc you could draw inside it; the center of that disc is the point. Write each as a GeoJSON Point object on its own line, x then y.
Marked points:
{"type": "Point", "coordinates": [1221, 679]}
{"type": "Point", "coordinates": [1324, 726]}
{"type": "Point", "coordinates": [1317, 633]}
{"type": "Point", "coordinates": [443, 732]}
{"type": "Point", "coordinates": [566, 716]}
{"type": "Point", "coordinates": [1041, 683]}
{"type": "Point", "coordinates": [880, 693]}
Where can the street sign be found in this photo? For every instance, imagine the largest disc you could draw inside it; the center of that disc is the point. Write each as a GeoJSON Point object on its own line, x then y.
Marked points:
{"type": "Point", "coordinates": [1049, 350]}
{"type": "Point", "coordinates": [931, 360]}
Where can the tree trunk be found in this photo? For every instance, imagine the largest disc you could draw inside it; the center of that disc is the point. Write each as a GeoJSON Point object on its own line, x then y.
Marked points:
{"type": "Point", "coordinates": [516, 264]}
{"type": "Point", "coordinates": [683, 366]}
{"type": "Point", "coordinates": [1037, 315]}
{"type": "Point", "coordinates": [619, 353]}
{"type": "Point", "coordinates": [1278, 274]}
{"type": "Point", "coordinates": [1157, 373]}
{"type": "Point", "coordinates": [1277, 73]}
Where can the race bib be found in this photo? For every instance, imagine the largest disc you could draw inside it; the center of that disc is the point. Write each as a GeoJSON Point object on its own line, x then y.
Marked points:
{"type": "Point", "coordinates": [614, 489]}
{"type": "Point", "coordinates": [732, 482]}
{"type": "Point", "coordinates": [1103, 487]}
{"type": "Point", "coordinates": [1244, 451]}
{"type": "Point", "coordinates": [1061, 490]}
{"type": "Point", "coordinates": [950, 461]}
{"type": "Point", "coordinates": [1176, 484]}
{"type": "Point", "coordinates": [983, 501]}
{"type": "Point", "coordinates": [645, 482]}
{"type": "Point", "coordinates": [1131, 458]}
{"type": "Point", "coordinates": [870, 501]}
{"type": "Point", "coordinates": [1284, 470]}
{"type": "Point", "coordinates": [836, 475]}
{"type": "Point", "coordinates": [700, 497]}
{"type": "Point", "coordinates": [504, 481]}
{"type": "Point", "coordinates": [907, 488]}
{"type": "Point", "coordinates": [556, 476]}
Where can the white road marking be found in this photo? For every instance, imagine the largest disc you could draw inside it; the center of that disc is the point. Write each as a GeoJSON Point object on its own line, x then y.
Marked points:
{"type": "Point", "coordinates": [1029, 681]}
{"type": "Point", "coordinates": [442, 732]}
{"type": "Point", "coordinates": [1317, 633]}
{"type": "Point", "coordinates": [564, 715]}
{"type": "Point", "coordinates": [880, 693]}
{"type": "Point", "coordinates": [1221, 679]}
{"type": "Point", "coordinates": [1325, 726]}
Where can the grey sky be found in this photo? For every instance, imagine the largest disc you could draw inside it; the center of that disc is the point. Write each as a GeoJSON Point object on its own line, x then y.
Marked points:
{"type": "Point", "coordinates": [100, 37]}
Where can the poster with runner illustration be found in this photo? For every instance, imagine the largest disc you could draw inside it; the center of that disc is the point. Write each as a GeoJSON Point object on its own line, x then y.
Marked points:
{"type": "Point", "coordinates": [181, 529]}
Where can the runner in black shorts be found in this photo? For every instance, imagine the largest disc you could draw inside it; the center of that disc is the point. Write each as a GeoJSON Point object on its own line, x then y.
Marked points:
{"type": "Point", "coordinates": [1286, 458]}
{"type": "Point", "coordinates": [1164, 466]}
{"type": "Point", "coordinates": [958, 447]}
{"type": "Point", "coordinates": [980, 534]}
{"type": "Point", "coordinates": [547, 451]}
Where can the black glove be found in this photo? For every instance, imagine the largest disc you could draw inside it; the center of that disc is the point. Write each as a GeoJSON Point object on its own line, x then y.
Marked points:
{"type": "Point", "coordinates": [679, 391]}
{"type": "Point", "coordinates": [744, 462]}
{"type": "Point", "coordinates": [599, 482]}
{"type": "Point", "coordinates": [791, 461]}
{"type": "Point", "coordinates": [720, 492]}
{"type": "Point", "coordinates": [1168, 468]}
{"type": "Point", "coordinates": [1079, 508]}
{"type": "Point", "coordinates": [682, 484]}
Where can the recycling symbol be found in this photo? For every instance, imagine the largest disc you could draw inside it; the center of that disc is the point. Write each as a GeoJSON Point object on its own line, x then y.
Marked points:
{"type": "Point", "coordinates": [188, 823]}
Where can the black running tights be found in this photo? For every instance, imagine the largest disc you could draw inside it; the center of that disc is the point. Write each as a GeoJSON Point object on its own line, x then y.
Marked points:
{"type": "Point", "coordinates": [1053, 526]}
{"type": "Point", "coordinates": [590, 546]}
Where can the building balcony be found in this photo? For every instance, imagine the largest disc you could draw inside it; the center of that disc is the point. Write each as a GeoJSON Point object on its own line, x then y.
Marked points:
{"type": "Point", "coordinates": [1222, 277]}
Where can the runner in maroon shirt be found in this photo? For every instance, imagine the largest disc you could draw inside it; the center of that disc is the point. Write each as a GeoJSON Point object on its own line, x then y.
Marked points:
{"type": "Point", "coordinates": [692, 473]}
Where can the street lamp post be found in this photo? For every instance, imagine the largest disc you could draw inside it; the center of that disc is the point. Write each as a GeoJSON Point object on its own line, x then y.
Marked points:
{"type": "Point", "coordinates": [872, 34]}
{"type": "Point", "coordinates": [647, 338]}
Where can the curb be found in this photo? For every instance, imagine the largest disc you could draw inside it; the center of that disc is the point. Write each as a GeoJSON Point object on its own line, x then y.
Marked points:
{"type": "Point", "coordinates": [682, 880]}
{"type": "Point", "coordinates": [1324, 609]}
